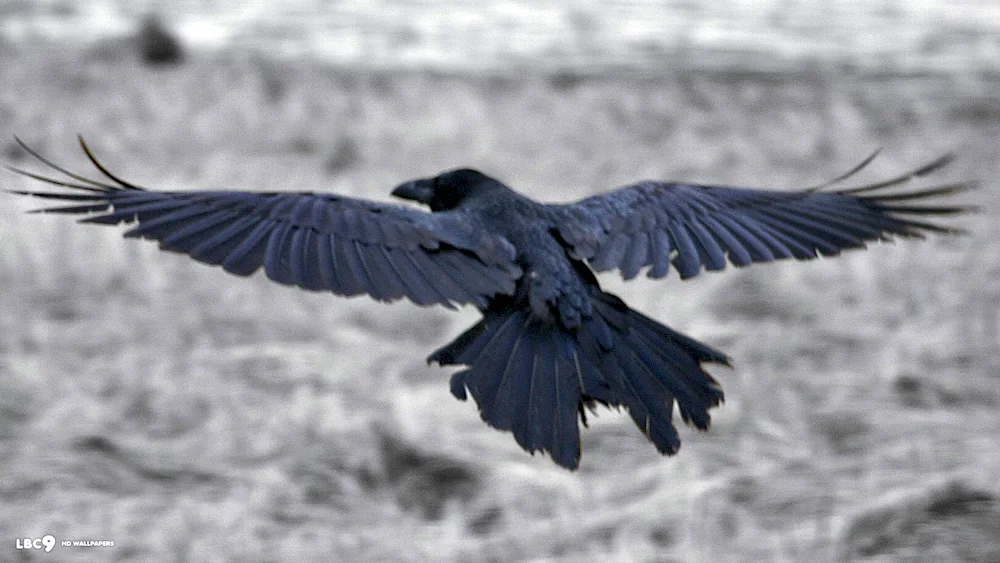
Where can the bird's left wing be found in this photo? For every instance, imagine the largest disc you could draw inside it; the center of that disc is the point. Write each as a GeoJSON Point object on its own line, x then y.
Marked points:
{"type": "Point", "coordinates": [314, 241]}
{"type": "Point", "coordinates": [657, 224]}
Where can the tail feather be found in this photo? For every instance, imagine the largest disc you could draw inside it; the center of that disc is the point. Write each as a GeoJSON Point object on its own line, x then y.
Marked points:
{"type": "Point", "coordinates": [508, 406]}
{"type": "Point", "coordinates": [565, 437]}
{"type": "Point", "coordinates": [493, 360]}
{"type": "Point", "coordinates": [693, 389]}
{"type": "Point", "coordinates": [533, 377]}
{"type": "Point", "coordinates": [523, 379]}
{"type": "Point", "coordinates": [648, 403]}
{"type": "Point", "coordinates": [467, 348]}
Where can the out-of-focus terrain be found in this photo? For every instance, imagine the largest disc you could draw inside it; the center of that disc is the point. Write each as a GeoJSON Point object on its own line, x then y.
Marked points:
{"type": "Point", "coordinates": [188, 414]}
{"type": "Point", "coordinates": [957, 36]}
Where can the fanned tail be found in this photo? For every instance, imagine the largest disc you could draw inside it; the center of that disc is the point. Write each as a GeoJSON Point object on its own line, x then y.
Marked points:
{"type": "Point", "coordinates": [534, 377]}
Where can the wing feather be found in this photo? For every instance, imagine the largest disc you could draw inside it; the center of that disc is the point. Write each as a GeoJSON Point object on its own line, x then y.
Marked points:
{"type": "Point", "coordinates": [249, 254]}
{"type": "Point", "coordinates": [276, 256]}
{"type": "Point", "coordinates": [687, 260]}
{"type": "Point", "coordinates": [738, 253]}
{"type": "Point", "coordinates": [712, 255]}
{"type": "Point", "coordinates": [218, 246]}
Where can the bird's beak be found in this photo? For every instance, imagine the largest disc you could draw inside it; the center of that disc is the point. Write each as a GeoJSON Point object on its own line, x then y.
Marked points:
{"type": "Point", "coordinates": [417, 190]}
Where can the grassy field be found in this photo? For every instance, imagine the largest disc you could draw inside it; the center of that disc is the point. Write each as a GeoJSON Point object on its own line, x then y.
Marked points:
{"type": "Point", "coordinates": [189, 415]}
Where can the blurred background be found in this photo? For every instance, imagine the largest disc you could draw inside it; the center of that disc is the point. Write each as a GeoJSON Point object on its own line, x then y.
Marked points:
{"type": "Point", "coordinates": [189, 415]}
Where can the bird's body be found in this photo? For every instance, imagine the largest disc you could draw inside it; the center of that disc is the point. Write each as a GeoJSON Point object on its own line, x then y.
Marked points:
{"type": "Point", "coordinates": [551, 342]}
{"type": "Point", "coordinates": [551, 281]}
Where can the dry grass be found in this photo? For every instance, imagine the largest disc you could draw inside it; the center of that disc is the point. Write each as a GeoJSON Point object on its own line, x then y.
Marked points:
{"type": "Point", "coordinates": [191, 415]}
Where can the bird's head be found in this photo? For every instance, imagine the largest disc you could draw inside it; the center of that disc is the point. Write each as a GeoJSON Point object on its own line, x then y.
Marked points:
{"type": "Point", "coordinates": [447, 190]}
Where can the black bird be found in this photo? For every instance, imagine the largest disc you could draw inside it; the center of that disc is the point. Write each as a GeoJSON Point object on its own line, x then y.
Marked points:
{"type": "Point", "coordinates": [551, 343]}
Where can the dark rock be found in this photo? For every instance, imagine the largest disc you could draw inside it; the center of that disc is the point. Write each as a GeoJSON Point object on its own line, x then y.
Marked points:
{"type": "Point", "coordinates": [157, 44]}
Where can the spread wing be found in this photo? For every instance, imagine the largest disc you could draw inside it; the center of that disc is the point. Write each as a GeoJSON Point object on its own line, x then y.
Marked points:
{"type": "Point", "coordinates": [314, 241]}
{"type": "Point", "coordinates": [657, 224]}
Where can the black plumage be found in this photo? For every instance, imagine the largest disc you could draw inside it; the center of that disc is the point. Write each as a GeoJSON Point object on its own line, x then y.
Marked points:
{"type": "Point", "coordinates": [551, 343]}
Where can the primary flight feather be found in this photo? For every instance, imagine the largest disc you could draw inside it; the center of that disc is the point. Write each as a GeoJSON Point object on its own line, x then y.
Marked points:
{"type": "Point", "coordinates": [551, 343]}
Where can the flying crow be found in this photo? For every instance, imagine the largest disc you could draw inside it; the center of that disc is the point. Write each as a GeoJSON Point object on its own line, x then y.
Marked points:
{"type": "Point", "coordinates": [551, 343]}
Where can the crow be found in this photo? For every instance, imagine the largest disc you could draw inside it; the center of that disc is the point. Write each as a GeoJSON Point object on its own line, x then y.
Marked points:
{"type": "Point", "coordinates": [551, 344]}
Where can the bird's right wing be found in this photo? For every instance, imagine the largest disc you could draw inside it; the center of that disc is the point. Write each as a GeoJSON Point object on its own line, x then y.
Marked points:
{"type": "Point", "coordinates": [314, 241]}
{"type": "Point", "coordinates": [658, 224]}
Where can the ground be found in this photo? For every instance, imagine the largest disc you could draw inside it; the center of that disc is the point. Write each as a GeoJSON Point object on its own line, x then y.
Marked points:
{"type": "Point", "coordinates": [188, 414]}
